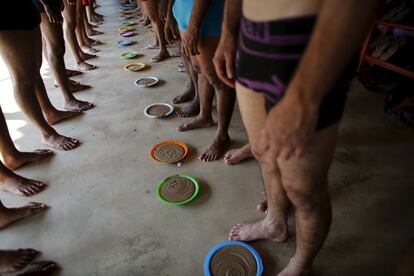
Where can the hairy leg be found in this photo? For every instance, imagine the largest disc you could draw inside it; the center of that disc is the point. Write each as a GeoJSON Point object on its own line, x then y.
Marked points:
{"type": "Point", "coordinates": [225, 99]}
{"type": "Point", "coordinates": [151, 8]}
{"type": "Point", "coordinates": [274, 224]}
{"type": "Point", "coordinates": [206, 95]}
{"type": "Point", "coordinates": [69, 27]}
{"type": "Point", "coordinates": [305, 181]}
{"type": "Point", "coordinates": [193, 108]}
{"type": "Point", "coordinates": [25, 78]}
{"type": "Point", "coordinates": [53, 35]}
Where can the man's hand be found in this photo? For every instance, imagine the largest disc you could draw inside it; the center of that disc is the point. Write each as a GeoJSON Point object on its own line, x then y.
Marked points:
{"type": "Point", "coordinates": [189, 42]}
{"type": "Point", "coordinates": [289, 128]}
{"type": "Point", "coordinates": [224, 58]}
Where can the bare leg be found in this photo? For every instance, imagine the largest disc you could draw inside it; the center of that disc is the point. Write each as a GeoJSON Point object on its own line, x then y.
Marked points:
{"type": "Point", "coordinates": [13, 158]}
{"type": "Point", "coordinates": [235, 156]}
{"type": "Point", "coordinates": [10, 215]}
{"type": "Point", "coordinates": [25, 78]}
{"type": "Point", "coordinates": [151, 8]}
{"type": "Point", "coordinates": [206, 95]}
{"type": "Point", "coordinates": [274, 225]}
{"type": "Point", "coordinates": [305, 181]}
{"type": "Point", "coordinates": [15, 260]}
{"type": "Point", "coordinates": [69, 26]}
{"type": "Point", "coordinates": [81, 35]}
{"type": "Point", "coordinates": [225, 100]}
{"type": "Point", "coordinates": [53, 35]}
{"type": "Point", "coordinates": [193, 108]}
{"type": "Point", "coordinates": [189, 94]}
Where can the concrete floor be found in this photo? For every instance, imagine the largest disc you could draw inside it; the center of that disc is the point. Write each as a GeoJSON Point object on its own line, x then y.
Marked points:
{"type": "Point", "coordinates": [105, 218]}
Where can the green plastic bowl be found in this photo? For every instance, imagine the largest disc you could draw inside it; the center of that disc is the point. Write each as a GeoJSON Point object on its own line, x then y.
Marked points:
{"type": "Point", "coordinates": [196, 191]}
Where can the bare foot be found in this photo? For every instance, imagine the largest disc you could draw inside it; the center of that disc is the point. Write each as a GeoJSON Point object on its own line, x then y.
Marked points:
{"type": "Point", "coordinates": [10, 215]}
{"type": "Point", "coordinates": [187, 96]}
{"type": "Point", "coordinates": [216, 149]}
{"type": "Point", "coordinates": [71, 73]}
{"type": "Point", "coordinates": [89, 51]}
{"type": "Point", "coordinates": [77, 86]}
{"type": "Point", "coordinates": [19, 185]}
{"type": "Point", "coordinates": [41, 268]}
{"type": "Point", "coordinates": [163, 55]}
{"type": "Point", "coordinates": [85, 66]}
{"type": "Point", "coordinates": [94, 32]}
{"type": "Point", "coordinates": [197, 122]}
{"type": "Point", "coordinates": [77, 105]}
{"type": "Point", "coordinates": [60, 142]}
{"type": "Point", "coordinates": [59, 116]}
{"type": "Point", "coordinates": [86, 56]}
{"type": "Point", "coordinates": [190, 110]}
{"type": "Point", "coordinates": [236, 156]}
{"type": "Point", "coordinates": [262, 229]}
{"type": "Point", "coordinates": [15, 260]}
{"type": "Point", "coordinates": [295, 268]}
{"type": "Point", "coordinates": [23, 158]}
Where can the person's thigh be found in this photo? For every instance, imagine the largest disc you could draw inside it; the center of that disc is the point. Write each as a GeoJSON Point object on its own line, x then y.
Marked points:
{"type": "Point", "coordinates": [21, 61]}
{"type": "Point", "coordinates": [252, 110]}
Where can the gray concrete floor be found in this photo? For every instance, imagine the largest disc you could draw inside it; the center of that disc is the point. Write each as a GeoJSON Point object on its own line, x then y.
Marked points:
{"type": "Point", "coordinates": [105, 218]}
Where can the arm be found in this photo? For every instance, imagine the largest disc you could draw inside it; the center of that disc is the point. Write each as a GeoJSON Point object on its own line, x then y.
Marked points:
{"type": "Point", "coordinates": [189, 44]}
{"type": "Point", "coordinates": [226, 50]}
{"type": "Point", "coordinates": [338, 34]}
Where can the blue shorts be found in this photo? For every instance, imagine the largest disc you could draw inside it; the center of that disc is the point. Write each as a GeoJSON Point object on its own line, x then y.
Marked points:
{"type": "Point", "coordinates": [211, 26]}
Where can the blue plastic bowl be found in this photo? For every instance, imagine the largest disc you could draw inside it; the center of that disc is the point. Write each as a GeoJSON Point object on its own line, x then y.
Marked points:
{"type": "Point", "coordinates": [124, 42]}
{"type": "Point", "coordinates": [219, 246]}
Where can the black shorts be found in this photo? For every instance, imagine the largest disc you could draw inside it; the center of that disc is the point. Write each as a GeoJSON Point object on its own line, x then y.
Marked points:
{"type": "Point", "coordinates": [18, 15]}
{"type": "Point", "coordinates": [268, 54]}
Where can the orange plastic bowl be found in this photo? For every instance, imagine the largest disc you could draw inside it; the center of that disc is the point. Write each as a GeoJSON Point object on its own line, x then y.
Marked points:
{"type": "Point", "coordinates": [169, 142]}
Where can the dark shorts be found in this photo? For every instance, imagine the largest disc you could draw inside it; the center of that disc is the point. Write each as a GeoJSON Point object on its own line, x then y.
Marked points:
{"type": "Point", "coordinates": [18, 15]}
{"type": "Point", "coordinates": [267, 57]}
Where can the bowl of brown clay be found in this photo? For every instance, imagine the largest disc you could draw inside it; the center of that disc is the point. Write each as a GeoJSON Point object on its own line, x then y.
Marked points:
{"type": "Point", "coordinates": [233, 258]}
{"type": "Point", "coordinates": [178, 190]}
{"type": "Point", "coordinates": [158, 110]}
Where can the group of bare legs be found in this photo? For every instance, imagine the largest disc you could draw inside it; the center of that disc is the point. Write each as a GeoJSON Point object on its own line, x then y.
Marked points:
{"type": "Point", "coordinates": [204, 84]}
{"type": "Point", "coordinates": [24, 65]}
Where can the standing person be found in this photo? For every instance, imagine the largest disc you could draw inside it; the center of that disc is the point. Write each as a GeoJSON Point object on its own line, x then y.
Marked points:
{"type": "Point", "coordinates": [54, 48]}
{"type": "Point", "coordinates": [24, 64]}
{"type": "Point", "coordinates": [152, 9]}
{"type": "Point", "coordinates": [292, 75]}
{"type": "Point", "coordinates": [199, 22]}
{"type": "Point", "coordinates": [69, 27]}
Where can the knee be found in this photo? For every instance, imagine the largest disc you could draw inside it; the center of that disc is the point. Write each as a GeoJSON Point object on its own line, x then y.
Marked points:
{"type": "Point", "coordinates": [211, 75]}
{"type": "Point", "coordinates": [196, 68]}
{"type": "Point", "coordinates": [305, 193]}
